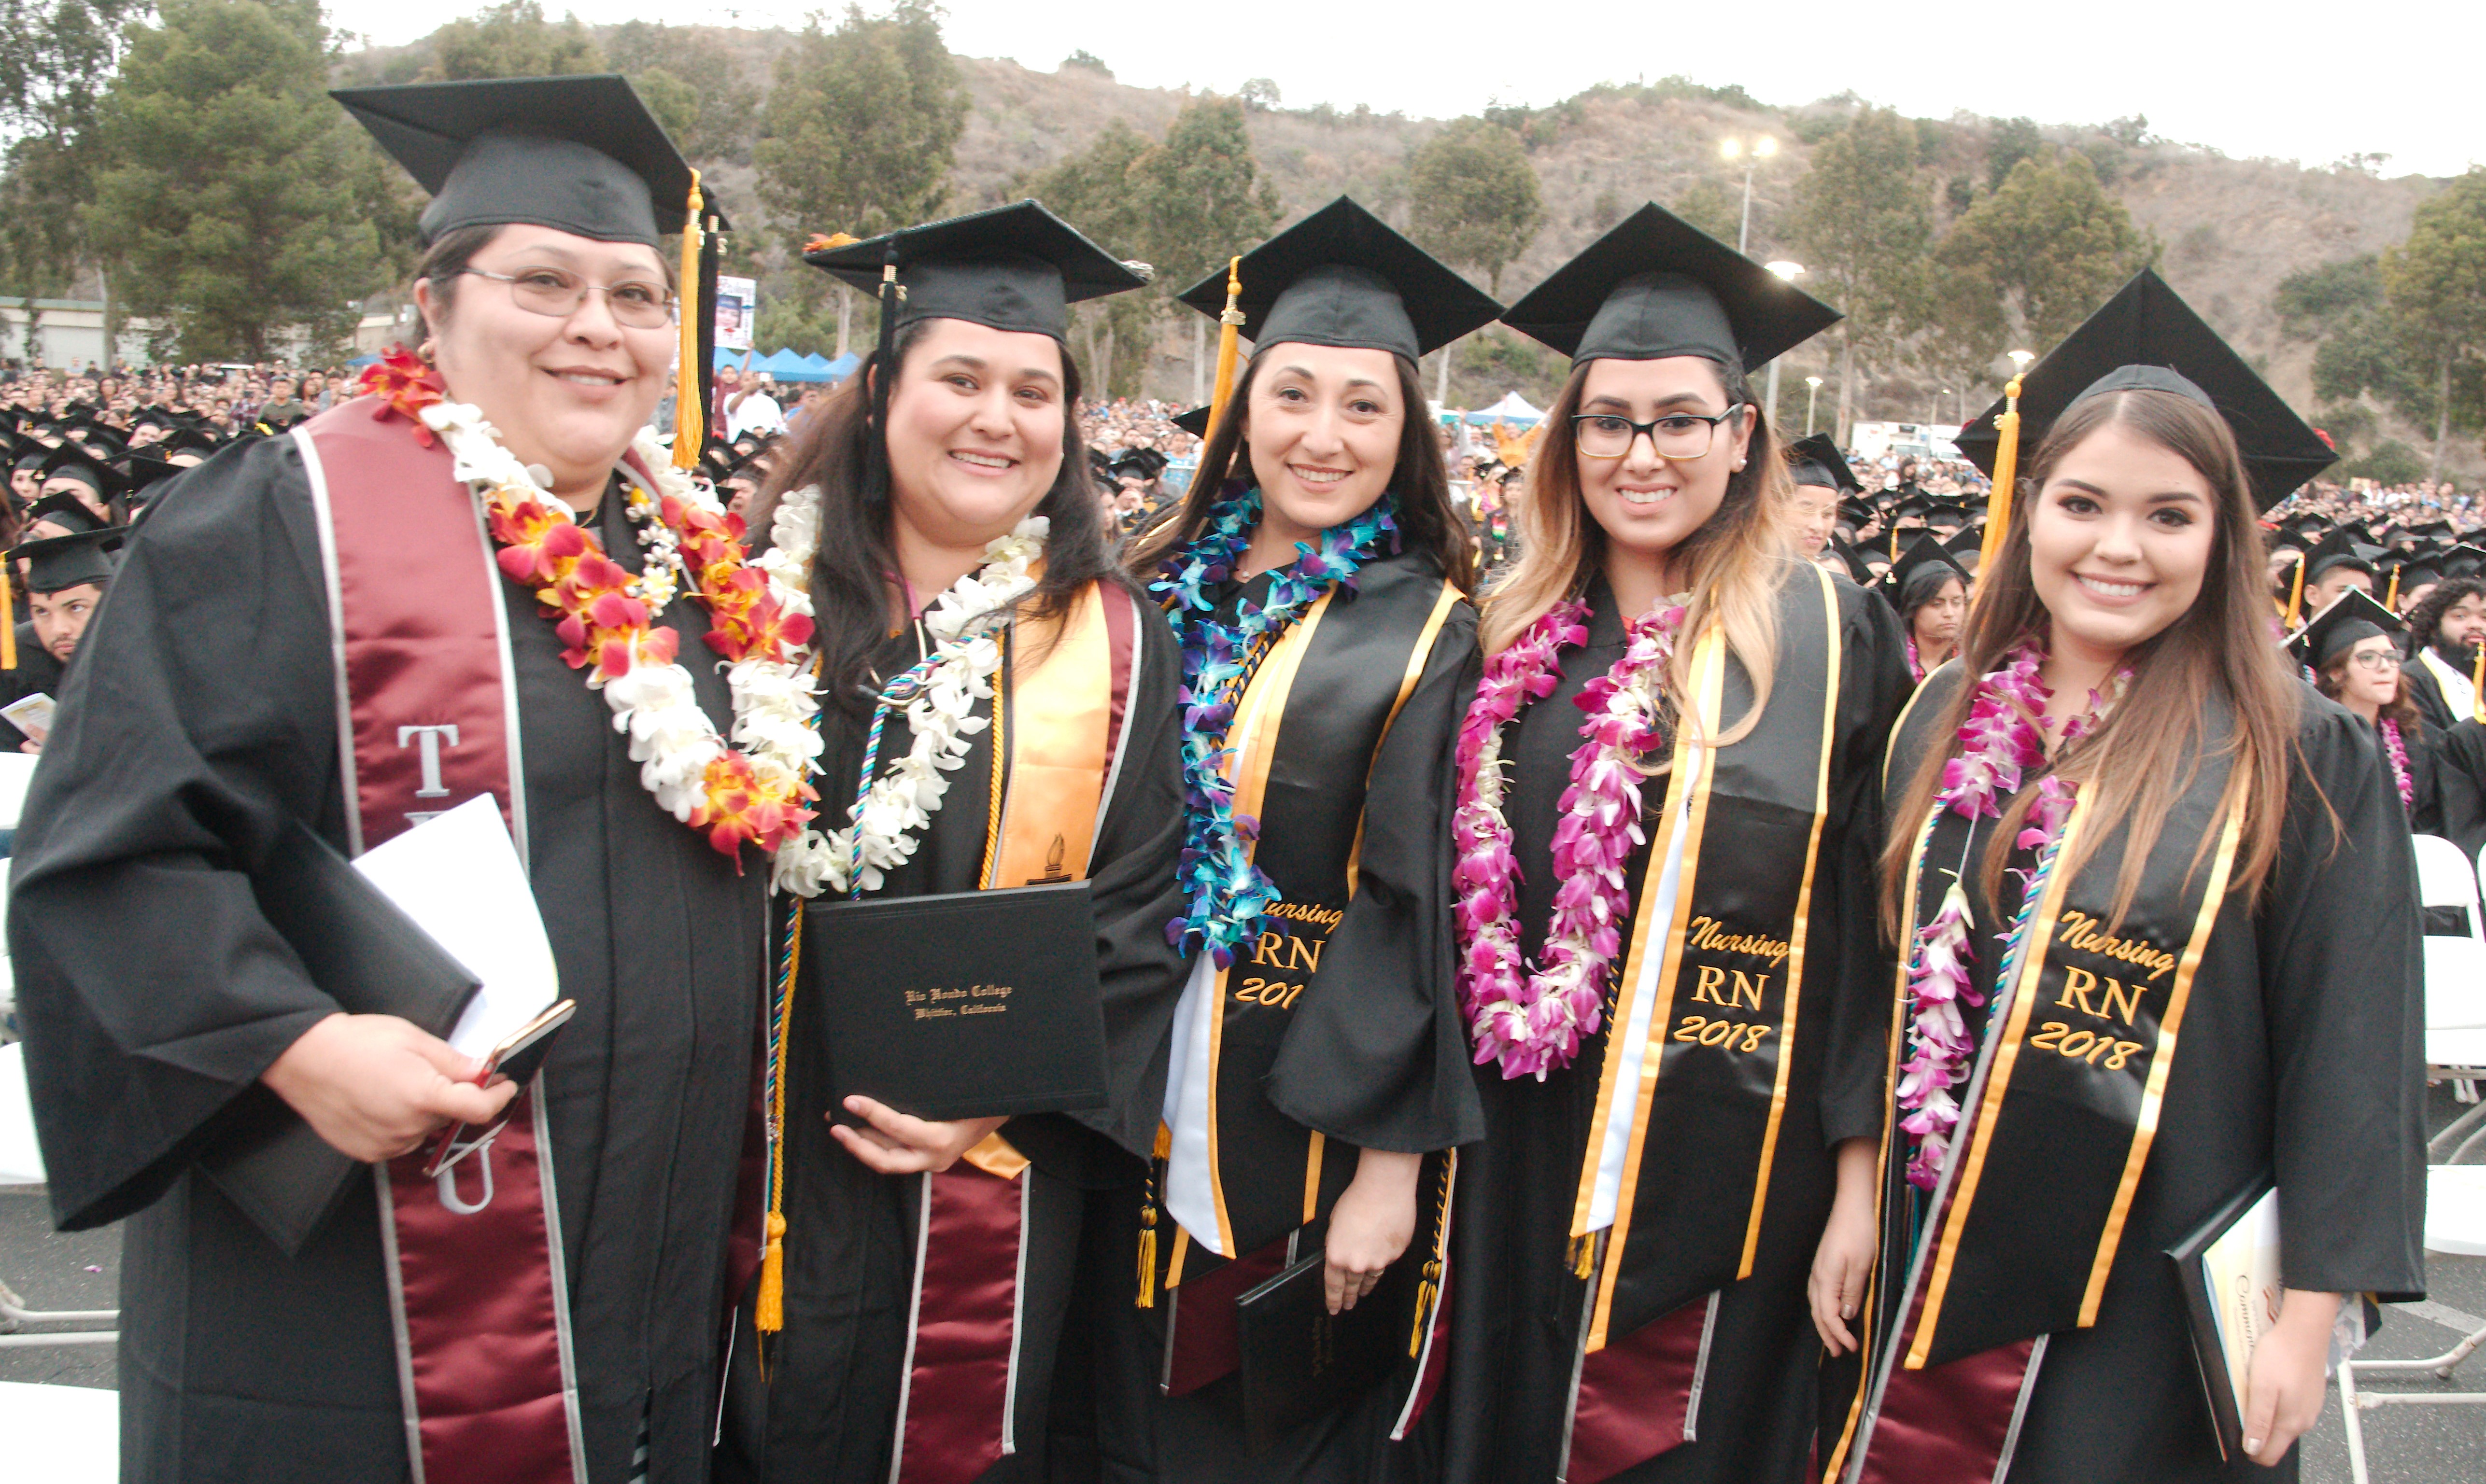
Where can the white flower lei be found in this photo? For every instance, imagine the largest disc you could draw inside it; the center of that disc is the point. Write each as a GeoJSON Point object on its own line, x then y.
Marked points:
{"type": "Point", "coordinates": [880, 833]}
{"type": "Point", "coordinates": [655, 705]}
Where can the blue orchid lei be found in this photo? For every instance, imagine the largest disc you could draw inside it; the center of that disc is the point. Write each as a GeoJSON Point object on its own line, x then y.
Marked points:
{"type": "Point", "coordinates": [1226, 894]}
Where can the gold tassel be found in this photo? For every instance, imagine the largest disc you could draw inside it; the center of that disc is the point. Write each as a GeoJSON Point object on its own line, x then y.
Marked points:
{"type": "Point", "coordinates": [1583, 1261]}
{"type": "Point", "coordinates": [1229, 331]}
{"type": "Point", "coordinates": [1148, 1219]}
{"type": "Point", "coordinates": [2392, 598]}
{"type": "Point", "coordinates": [690, 415]}
{"type": "Point", "coordinates": [2478, 684]}
{"type": "Point", "coordinates": [769, 1308]}
{"type": "Point", "coordinates": [1426, 1291]}
{"type": "Point", "coordinates": [2006, 469]}
{"type": "Point", "coordinates": [8, 619]}
{"type": "Point", "coordinates": [2296, 596]}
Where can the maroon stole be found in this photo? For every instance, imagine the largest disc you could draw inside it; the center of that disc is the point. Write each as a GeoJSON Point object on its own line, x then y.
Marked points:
{"type": "Point", "coordinates": [426, 718]}
{"type": "Point", "coordinates": [1060, 725]}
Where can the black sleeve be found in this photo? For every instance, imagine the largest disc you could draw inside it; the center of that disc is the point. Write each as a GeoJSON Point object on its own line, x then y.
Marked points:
{"type": "Point", "coordinates": [2342, 989]}
{"type": "Point", "coordinates": [2425, 782]}
{"type": "Point", "coordinates": [200, 714]}
{"type": "Point", "coordinates": [2425, 693]}
{"type": "Point", "coordinates": [2458, 758]}
{"type": "Point", "coordinates": [1376, 1054]}
{"type": "Point", "coordinates": [1874, 686]}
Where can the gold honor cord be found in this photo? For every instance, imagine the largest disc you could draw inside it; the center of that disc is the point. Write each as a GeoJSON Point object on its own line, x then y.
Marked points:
{"type": "Point", "coordinates": [1229, 331]}
{"type": "Point", "coordinates": [2295, 596]}
{"type": "Point", "coordinates": [2006, 469]}
{"type": "Point", "coordinates": [2477, 685]}
{"type": "Point", "coordinates": [690, 414]}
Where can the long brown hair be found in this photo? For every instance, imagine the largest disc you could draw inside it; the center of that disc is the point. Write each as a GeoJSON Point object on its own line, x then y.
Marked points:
{"type": "Point", "coordinates": [2149, 752]}
{"type": "Point", "coordinates": [1428, 522]}
{"type": "Point", "coordinates": [849, 582]}
{"type": "Point", "coordinates": [1736, 560]}
{"type": "Point", "coordinates": [2333, 678]}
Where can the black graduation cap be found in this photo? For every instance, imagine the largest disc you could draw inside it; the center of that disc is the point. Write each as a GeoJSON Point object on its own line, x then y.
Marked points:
{"type": "Point", "coordinates": [69, 561]}
{"type": "Point", "coordinates": [1018, 267]}
{"type": "Point", "coordinates": [2463, 560]}
{"type": "Point", "coordinates": [1922, 552]}
{"type": "Point", "coordinates": [1846, 551]}
{"type": "Point", "coordinates": [1141, 464]}
{"type": "Point", "coordinates": [1918, 506]}
{"type": "Point", "coordinates": [2340, 548]}
{"type": "Point", "coordinates": [1343, 276]}
{"type": "Point", "coordinates": [1859, 512]}
{"type": "Point", "coordinates": [67, 511]}
{"type": "Point", "coordinates": [144, 469]}
{"type": "Point", "coordinates": [581, 155]}
{"type": "Point", "coordinates": [2146, 338]}
{"type": "Point", "coordinates": [2435, 529]}
{"type": "Point", "coordinates": [69, 461]}
{"type": "Point", "coordinates": [1194, 421]}
{"type": "Point", "coordinates": [1967, 543]}
{"type": "Point", "coordinates": [2354, 616]}
{"type": "Point", "coordinates": [1817, 460]}
{"type": "Point", "coordinates": [1939, 510]}
{"type": "Point", "coordinates": [1657, 285]}
{"type": "Point", "coordinates": [2416, 569]}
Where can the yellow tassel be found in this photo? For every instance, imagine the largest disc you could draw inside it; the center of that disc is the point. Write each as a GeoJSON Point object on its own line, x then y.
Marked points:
{"type": "Point", "coordinates": [2478, 682]}
{"type": "Point", "coordinates": [690, 414]}
{"type": "Point", "coordinates": [1584, 1260]}
{"type": "Point", "coordinates": [2296, 596]}
{"type": "Point", "coordinates": [1149, 1257]}
{"type": "Point", "coordinates": [7, 620]}
{"type": "Point", "coordinates": [769, 1308]}
{"type": "Point", "coordinates": [2006, 469]}
{"type": "Point", "coordinates": [1229, 332]}
{"type": "Point", "coordinates": [2391, 600]}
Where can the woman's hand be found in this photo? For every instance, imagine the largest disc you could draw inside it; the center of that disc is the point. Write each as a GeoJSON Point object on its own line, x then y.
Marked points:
{"type": "Point", "coordinates": [373, 1085]}
{"type": "Point", "coordinates": [2283, 1382]}
{"type": "Point", "coordinates": [1844, 1259]}
{"type": "Point", "coordinates": [1370, 1225]}
{"type": "Point", "coordinates": [896, 1144]}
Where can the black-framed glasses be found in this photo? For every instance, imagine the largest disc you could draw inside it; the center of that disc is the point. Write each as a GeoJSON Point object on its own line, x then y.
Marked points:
{"type": "Point", "coordinates": [641, 304]}
{"type": "Point", "coordinates": [2378, 660]}
{"type": "Point", "coordinates": [1677, 435]}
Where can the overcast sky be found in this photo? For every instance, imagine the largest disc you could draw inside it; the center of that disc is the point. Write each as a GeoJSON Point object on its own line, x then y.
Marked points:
{"type": "Point", "coordinates": [2292, 81]}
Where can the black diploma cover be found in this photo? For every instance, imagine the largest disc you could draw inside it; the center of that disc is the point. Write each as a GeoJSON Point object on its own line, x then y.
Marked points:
{"type": "Point", "coordinates": [361, 951]}
{"type": "Point", "coordinates": [966, 1004]}
{"type": "Point", "coordinates": [2201, 1317]}
{"type": "Point", "coordinates": [1299, 1360]}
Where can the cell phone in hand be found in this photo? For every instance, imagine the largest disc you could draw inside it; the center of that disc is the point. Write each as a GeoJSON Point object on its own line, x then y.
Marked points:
{"type": "Point", "coordinates": [518, 1058]}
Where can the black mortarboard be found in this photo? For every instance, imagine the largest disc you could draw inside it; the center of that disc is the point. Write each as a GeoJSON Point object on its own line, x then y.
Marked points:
{"type": "Point", "coordinates": [1018, 267]}
{"type": "Point", "coordinates": [2354, 616]}
{"type": "Point", "coordinates": [1859, 511]}
{"type": "Point", "coordinates": [145, 469]}
{"type": "Point", "coordinates": [2340, 548]}
{"type": "Point", "coordinates": [2146, 338]}
{"type": "Point", "coordinates": [1967, 542]}
{"type": "Point", "coordinates": [1343, 276]}
{"type": "Point", "coordinates": [69, 561]}
{"type": "Point", "coordinates": [1922, 552]}
{"type": "Point", "coordinates": [67, 511]}
{"type": "Point", "coordinates": [1847, 552]}
{"type": "Point", "coordinates": [2463, 560]}
{"type": "Point", "coordinates": [580, 154]}
{"type": "Point", "coordinates": [69, 461]}
{"type": "Point", "coordinates": [1817, 460]}
{"type": "Point", "coordinates": [1194, 421]}
{"type": "Point", "coordinates": [1942, 511]}
{"type": "Point", "coordinates": [1918, 506]}
{"type": "Point", "coordinates": [1141, 464]}
{"type": "Point", "coordinates": [1656, 285]}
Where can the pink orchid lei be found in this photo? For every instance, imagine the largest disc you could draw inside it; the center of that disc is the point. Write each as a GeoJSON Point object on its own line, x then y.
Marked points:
{"type": "Point", "coordinates": [1533, 1022]}
{"type": "Point", "coordinates": [2396, 748]}
{"type": "Point", "coordinates": [2001, 740]}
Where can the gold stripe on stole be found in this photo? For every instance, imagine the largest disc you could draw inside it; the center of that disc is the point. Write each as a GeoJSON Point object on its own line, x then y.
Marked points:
{"type": "Point", "coordinates": [1899, 723]}
{"type": "Point", "coordinates": [1267, 693]}
{"type": "Point", "coordinates": [1060, 711]}
{"type": "Point", "coordinates": [2024, 999]}
{"type": "Point", "coordinates": [1416, 663]}
{"type": "Point", "coordinates": [1797, 934]}
{"type": "Point", "coordinates": [1708, 686]}
{"type": "Point", "coordinates": [2163, 1059]}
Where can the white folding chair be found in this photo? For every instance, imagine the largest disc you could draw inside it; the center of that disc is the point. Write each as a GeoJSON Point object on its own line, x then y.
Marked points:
{"type": "Point", "coordinates": [2455, 1224]}
{"type": "Point", "coordinates": [2445, 878]}
{"type": "Point", "coordinates": [59, 1435]}
{"type": "Point", "coordinates": [21, 1162]}
{"type": "Point", "coordinates": [16, 772]}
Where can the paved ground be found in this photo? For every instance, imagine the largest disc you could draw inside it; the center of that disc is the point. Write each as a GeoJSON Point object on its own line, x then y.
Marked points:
{"type": "Point", "coordinates": [2433, 1444]}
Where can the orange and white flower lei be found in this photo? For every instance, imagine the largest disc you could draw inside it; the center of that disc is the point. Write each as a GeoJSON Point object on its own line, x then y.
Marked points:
{"type": "Point", "coordinates": [749, 789]}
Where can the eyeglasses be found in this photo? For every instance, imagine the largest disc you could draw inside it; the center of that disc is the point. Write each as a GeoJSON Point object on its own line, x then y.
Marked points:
{"type": "Point", "coordinates": [2378, 661]}
{"type": "Point", "coordinates": [1677, 435]}
{"type": "Point", "coordinates": [553, 292]}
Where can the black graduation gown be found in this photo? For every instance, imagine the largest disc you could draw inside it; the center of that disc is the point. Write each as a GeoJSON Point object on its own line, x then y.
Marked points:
{"type": "Point", "coordinates": [1515, 1303]}
{"type": "Point", "coordinates": [1375, 1053]}
{"type": "Point", "coordinates": [2425, 690]}
{"type": "Point", "coordinates": [2302, 1052]}
{"type": "Point", "coordinates": [200, 717]}
{"type": "Point", "coordinates": [826, 1409]}
{"type": "Point", "coordinates": [2458, 759]}
{"type": "Point", "coordinates": [36, 672]}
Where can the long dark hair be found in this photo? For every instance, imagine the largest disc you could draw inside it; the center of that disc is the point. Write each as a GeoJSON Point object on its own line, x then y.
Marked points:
{"type": "Point", "coordinates": [849, 574]}
{"type": "Point", "coordinates": [1428, 522]}
{"type": "Point", "coordinates": [2149, 750]}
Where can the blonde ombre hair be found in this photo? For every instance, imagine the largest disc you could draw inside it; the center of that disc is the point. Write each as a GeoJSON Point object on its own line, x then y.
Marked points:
{"type": "Point", "coordinates": [1735, 561]}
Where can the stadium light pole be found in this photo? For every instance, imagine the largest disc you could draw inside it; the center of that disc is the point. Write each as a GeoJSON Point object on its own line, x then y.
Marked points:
{"type": "Point", "coordinates": [1809, 398]}
{"type": "Point", "coordinates": [1732, 148]}
{"type": "Point", "coordinates": [1789, 272]}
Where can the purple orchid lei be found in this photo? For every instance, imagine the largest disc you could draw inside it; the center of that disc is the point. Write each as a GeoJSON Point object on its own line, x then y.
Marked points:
{"type": "Point", "coordinates": [2000, 742]}
{"type": "Point", "coordinates": [2396, 748]}
{"type": "Point", "coordinates": [1225, 894]}
{"type": "Point", "coordinates": [1533, 1022]}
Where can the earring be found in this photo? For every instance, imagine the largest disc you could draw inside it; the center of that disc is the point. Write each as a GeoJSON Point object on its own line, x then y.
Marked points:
{"type": "Point", "coordinates": [1739, 466]}
{"type": "Point", "coordinates": [423, 353]}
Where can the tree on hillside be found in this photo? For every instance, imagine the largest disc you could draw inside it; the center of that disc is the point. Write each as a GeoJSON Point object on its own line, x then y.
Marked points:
{"type": "Point", "coordinates": [1861, 220]}
{"type": "Point", "coordinates": [1201, 196]}
{"type": "Point", "coordinates": [1474, 196]}
{"type": "Point", "coordinates": [54, 61]}
{"type": "Point", "coordinates": [1707, 204]}
{"type": "Point", "coordinates": [860, 127]}
{"type": "Point", "coordinates": [511, 40]}
{"type": "Point", "coordinates": [693, 82]}
{"type": "Point", "coordinates": [2036, 256]}
{"type": "Point", "coordinates": [2362, 350]}
{"type": "Point", "coordinates": [2436, 282]}
{"type": "Point", "coordinates": [236, 196]}
{"type": "Point", "coordinates": [1094, 191]}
